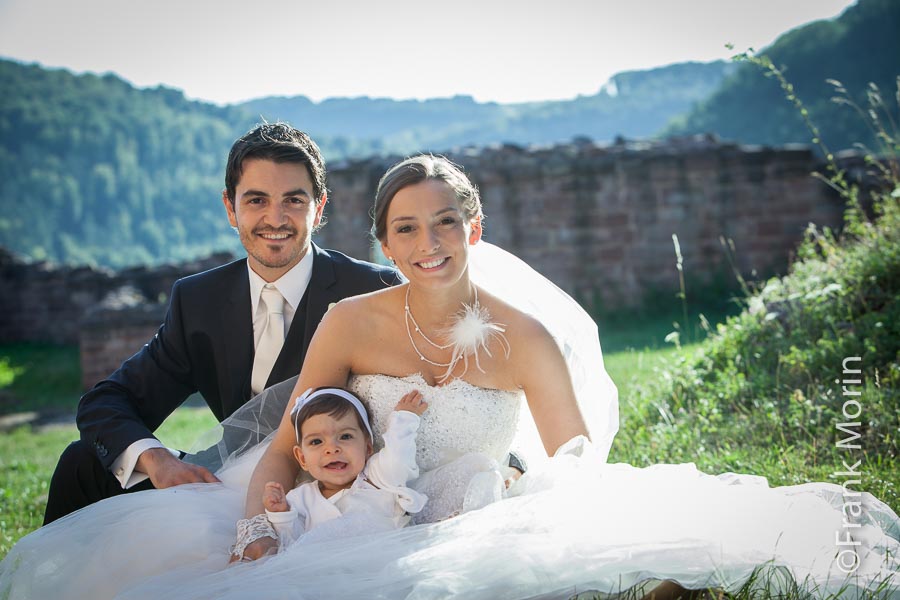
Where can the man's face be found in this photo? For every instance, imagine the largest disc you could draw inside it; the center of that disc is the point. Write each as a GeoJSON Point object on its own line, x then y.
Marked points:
{"type": "Point", "coordinates": [274, 212]}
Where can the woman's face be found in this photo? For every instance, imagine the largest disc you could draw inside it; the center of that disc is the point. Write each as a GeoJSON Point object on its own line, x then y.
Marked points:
{"type": "Point", "coordinates": [427, 233]}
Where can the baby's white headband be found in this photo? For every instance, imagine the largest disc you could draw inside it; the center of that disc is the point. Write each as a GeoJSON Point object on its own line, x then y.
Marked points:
{"type": "Point", "coordinates": [310, 395]}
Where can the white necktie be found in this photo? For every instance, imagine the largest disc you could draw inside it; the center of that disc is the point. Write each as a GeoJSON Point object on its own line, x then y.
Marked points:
{"type": "Point", "coordinates": [272, 338]}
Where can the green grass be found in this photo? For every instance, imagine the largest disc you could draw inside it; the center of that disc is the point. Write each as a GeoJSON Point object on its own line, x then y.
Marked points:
{"type": "Point", "coordinates": [28, 457]}
{"type": "Point", "coordinates": [721, 437]}
{"type": "Point", "coordinates": [26, 463]}
{"type": "Point", "coordinates": [648, 327]}
{"type": "Point", "coordinates": [46, 378]}
{"type": "Point", "coordinates": [630, 368]}
{"type": "Point", "coordinates": [39, 377]}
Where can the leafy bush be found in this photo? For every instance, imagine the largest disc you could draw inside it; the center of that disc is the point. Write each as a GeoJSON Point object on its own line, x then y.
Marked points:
{"type": "Point", "coordinates": [765, 392]}
{"type": "Point", "coordinates": [776, 363]}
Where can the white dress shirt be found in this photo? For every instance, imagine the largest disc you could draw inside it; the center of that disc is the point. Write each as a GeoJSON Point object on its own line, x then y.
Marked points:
{"type": "Point", "coordinates": [292, 285]}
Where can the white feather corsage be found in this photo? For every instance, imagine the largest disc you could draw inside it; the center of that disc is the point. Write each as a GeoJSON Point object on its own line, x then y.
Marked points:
{"type": "Point", "coordinates": [473, 331]}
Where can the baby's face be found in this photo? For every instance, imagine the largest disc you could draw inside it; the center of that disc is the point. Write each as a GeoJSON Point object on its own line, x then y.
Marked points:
{"type": "Point", "coordinates": [334, 451]}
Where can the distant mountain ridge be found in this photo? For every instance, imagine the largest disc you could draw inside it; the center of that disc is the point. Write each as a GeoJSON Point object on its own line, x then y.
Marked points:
{"type": "Point", "coordinates": [635, 104]}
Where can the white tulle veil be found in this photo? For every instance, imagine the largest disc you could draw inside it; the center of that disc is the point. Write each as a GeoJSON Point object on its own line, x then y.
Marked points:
{"type": "Point", "coordinates": [513, 281]}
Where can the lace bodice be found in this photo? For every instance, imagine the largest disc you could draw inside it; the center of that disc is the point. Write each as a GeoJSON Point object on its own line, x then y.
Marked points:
{"type": "Point", "coordinates": [461, 418]}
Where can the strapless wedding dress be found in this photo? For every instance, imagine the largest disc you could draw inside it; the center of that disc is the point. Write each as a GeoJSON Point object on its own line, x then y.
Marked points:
{"type": "Point", "coordinates": [571, 525]}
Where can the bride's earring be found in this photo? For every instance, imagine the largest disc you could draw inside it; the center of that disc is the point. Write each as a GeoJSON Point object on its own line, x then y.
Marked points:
{"type": "Point", "coordinates": [475, 235]}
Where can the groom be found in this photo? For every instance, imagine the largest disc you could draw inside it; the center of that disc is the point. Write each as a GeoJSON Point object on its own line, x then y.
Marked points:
{"type": "Point", "coordinates": [229, 332]}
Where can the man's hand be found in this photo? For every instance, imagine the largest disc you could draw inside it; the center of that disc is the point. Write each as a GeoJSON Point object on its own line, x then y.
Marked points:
{"type": "Point", "coordinates": [256, 550]}
{"type": "Point", "coordinates": [167, 471]}
{"type": "Point", "coordinates": [274, 499]}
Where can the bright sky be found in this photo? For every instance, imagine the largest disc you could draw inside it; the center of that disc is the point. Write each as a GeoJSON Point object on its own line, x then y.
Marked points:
{"type": "Point", "coordinates": [227, 51]}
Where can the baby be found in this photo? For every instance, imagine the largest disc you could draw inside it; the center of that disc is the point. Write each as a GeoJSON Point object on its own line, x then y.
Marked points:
{"type": "Point", "coordinates": [334, 445]}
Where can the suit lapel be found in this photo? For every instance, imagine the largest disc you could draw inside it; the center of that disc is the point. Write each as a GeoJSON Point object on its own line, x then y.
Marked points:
{"type": "Point", "coordinates": [319, 294]}
{"type": "Point", "coordinates": [237, 326]}
{"type": "Point", "coordinates": [316, 300]}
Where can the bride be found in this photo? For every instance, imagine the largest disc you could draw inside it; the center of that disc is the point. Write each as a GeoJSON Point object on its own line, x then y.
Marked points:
{"type": "Point", "coordinates": [504, 360]}
{"type": "Point", "coordinates": [427, 216]}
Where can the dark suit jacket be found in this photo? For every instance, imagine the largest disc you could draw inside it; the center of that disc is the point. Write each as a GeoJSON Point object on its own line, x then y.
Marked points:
{"type": "Point", "coordinates": [206, 345]}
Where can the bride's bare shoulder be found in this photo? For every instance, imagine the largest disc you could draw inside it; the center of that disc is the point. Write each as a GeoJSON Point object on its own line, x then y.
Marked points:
{"type": "Point", "coordinates": [365, 308]}
{"type": "Point", "coordinates": [520, 327]}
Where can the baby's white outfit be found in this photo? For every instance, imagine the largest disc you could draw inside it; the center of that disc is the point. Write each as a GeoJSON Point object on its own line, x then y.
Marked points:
{"type": "Point", "coordinates": [377, 500]}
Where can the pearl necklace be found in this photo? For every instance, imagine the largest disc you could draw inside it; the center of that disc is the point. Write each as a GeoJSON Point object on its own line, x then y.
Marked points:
{"type": "Point", "coordinates": [471, 329]}
{"type": "Point", "coordinates": [422, 333]}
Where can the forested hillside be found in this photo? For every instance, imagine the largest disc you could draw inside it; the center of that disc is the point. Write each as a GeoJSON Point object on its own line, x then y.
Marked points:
{"type": "Point", "coordinates": [859, 47]}
{"type": "Point", "coordinates": [93, 170]}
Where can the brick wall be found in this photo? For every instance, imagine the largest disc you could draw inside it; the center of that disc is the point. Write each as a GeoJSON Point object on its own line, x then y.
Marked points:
{"type": "Point", "coordinates": [108, 336]}
{"type": "Point", "coordinates": [46, 303]}
{"type": "Point", "coordinates": [598, 220]}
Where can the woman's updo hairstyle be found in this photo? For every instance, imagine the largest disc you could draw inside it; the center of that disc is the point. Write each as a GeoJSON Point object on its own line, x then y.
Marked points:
{"type": "Point", "coordinates": [416, 170]}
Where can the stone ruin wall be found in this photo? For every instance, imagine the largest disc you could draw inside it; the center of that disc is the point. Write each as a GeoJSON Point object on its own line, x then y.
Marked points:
{"type": "Point", "coordinates": [111, 334]}
{"type": "Point", "coordinates": [597, 220]}
{"type": "Point", "coordinates": [109, 314]}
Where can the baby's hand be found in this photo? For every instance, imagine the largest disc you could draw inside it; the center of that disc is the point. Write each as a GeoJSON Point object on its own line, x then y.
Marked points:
{"type": "Point", "coordinates": [274, 499]}
{"type": "Point", "coordinates": [413, 403]}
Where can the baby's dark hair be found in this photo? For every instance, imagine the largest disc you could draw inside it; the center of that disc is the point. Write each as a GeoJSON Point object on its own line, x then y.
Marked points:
{"type": "Point", "coordinates": [331, 405]}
